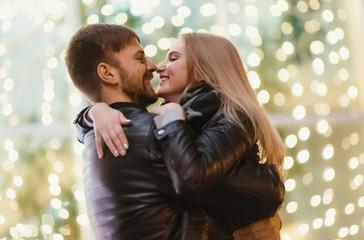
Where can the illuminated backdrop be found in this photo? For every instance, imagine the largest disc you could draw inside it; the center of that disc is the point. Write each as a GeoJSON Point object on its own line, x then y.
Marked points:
{"type": "Point", "coordinates": [302, 59]}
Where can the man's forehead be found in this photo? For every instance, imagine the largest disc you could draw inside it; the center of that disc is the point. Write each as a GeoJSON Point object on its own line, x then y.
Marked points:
{"type": "Point", "coordinates": [134, 47]}
{"type": "Point", "coordinates": [136, 43]}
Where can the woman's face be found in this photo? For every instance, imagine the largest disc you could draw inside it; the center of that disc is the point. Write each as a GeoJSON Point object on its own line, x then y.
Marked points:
{"type": "Point", "coordinates": [173, 73]}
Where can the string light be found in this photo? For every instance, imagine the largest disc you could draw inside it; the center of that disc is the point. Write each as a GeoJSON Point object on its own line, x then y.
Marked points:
{"type": "Point", "coordinates": [234, 29]}
{"type": "Point", "coordinates": [121, 18]}
{"type": "Point", "coordinates": [208, 9]}
{"type": "Point", "coordinates": [233, 7]}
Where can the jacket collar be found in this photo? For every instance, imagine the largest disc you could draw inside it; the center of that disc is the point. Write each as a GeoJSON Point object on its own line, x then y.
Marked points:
{"type": "Point", "coordinates": [192, 92]}
{"type": "Point", "coordinates": [118, 105]}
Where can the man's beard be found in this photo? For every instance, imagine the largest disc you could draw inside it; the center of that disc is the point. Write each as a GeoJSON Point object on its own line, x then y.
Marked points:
{"type": "Point", "coordinates": [140, 94]}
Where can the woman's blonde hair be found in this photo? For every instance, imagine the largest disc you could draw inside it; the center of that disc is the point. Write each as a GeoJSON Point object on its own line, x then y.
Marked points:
{"type": "Point", "coordinates": [216, 61]}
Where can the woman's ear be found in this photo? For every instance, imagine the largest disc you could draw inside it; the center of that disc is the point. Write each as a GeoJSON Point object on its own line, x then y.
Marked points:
{"type": "Point", "coordinates": [107, 73]}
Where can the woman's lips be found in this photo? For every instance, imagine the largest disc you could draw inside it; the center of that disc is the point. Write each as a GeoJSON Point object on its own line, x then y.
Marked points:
{"type": "Point", "coordinates": [163, 79]}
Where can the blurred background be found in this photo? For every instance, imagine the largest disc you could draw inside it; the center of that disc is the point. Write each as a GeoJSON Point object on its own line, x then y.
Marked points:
{"type": "Point", "coordinates": [304, 58]}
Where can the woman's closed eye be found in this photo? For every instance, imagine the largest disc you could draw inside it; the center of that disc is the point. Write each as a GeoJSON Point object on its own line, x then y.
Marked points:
{"type": "Point", "coordinates": [173, 58]}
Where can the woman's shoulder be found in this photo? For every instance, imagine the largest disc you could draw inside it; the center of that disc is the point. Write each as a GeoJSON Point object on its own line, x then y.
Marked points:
{"type": "Point", "coordinates": [204, 100]}
{"type": "Point", "coordinates": [203, 92]}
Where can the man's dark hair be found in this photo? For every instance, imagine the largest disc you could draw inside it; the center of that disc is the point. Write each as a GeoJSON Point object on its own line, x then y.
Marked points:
{"type": "Point", "coordinates": [90, 46]}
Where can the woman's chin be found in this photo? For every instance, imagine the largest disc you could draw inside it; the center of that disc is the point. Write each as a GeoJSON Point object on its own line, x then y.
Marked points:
{"type": "Point", "coordinates": [163, 91]}
{"type": "Point", "coordinates": [160, 94]}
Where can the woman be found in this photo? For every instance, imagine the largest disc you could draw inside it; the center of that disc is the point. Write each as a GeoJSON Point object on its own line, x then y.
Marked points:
{"type": "Point", "coordinates": [215, 155]}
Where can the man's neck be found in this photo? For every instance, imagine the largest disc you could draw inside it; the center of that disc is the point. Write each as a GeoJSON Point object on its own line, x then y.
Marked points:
{"type": "Point", "coordinates": [111, 97]}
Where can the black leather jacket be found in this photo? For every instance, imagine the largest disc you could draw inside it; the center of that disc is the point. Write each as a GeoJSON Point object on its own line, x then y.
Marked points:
{"type": "Point", "coordinates": [130, 197]}
{"type": "Point", "coordinates": [217, 164]}
{"type": "Point", "coordinates": [234, 190]}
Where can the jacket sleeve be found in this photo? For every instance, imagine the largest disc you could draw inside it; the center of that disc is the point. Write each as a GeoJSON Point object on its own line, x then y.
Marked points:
{"type": "Point", "coordinates": [82, 124]}
{"type": "Point", "coordinates": [200, 160]}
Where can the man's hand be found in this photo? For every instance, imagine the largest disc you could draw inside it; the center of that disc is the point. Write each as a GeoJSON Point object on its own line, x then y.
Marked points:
{"type": "Point", "coordinates": [108, 128]}
{"type": "Point", "coordinates": [266, 229]}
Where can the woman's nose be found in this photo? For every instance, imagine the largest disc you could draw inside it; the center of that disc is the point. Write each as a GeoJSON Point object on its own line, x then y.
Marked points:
{"type": "Point", "coordinates": [161, 67]}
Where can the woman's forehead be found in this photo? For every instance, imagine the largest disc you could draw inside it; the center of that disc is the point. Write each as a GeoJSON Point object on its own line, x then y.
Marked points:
{"type": "Point", "coordinates": [179, 47]}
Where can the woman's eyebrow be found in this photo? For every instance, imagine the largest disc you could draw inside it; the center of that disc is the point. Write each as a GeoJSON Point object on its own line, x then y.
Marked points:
{"type": "Point", "coordinates": [174, 52]}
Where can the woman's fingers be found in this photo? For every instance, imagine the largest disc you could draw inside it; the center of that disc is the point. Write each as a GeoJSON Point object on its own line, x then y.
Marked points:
{"type": "Point", "coordinates": [123, 120]}
{"type": "Point", "coordinates": [99, 142]}
{"type": "Point", "coordinates": [119, 139]}
{"type": "Point", "coordinates": [109, 143]}
{"type": "Point", "coordinates": [124, 140]}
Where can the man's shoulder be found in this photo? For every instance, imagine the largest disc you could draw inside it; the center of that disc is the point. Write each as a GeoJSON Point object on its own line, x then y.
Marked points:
{"type": "Point", "coordinates": [140, 134]}
{"type": "Point", "coordinates": [139, 117]}
{"type": "Point", "coordinates": [142, 123]}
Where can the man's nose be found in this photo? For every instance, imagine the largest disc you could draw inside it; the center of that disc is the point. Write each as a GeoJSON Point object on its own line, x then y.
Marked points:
{"type": "Point", "coordinates": [151, 66]}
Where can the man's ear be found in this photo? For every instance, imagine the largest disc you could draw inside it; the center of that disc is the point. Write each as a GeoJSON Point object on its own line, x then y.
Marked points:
{"type": "Point", "coordinates": [107, 73]}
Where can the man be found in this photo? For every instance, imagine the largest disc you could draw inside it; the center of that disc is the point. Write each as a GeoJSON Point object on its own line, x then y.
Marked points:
{"type": "Point", "coordinates": [133, 197]}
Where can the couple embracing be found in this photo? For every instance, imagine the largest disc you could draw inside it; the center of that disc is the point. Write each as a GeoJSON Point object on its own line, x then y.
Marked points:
{"type": "Point", "coordinates": [204, 165]}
